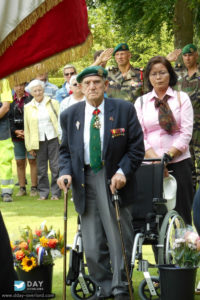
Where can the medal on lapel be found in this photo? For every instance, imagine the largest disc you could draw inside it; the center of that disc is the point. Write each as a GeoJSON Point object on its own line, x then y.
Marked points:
{"type": "Point", "coordinates": [97, 123]}
{"type": "Point", "coordinates": [77, 125]}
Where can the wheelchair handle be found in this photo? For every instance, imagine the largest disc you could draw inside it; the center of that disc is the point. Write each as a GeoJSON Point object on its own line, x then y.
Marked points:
{"type": "Point", "coordinates": [164, 160]}
{"type": "Point", "coordinates": [152, 159]}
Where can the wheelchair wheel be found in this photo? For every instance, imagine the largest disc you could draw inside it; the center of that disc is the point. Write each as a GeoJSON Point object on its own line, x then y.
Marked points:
{"type": "Point", "coordinates": [86, 289]}
{"type": "Point", "coordinates": [144, 292]}
{"type": "Point", "coordinates": [171, 222]}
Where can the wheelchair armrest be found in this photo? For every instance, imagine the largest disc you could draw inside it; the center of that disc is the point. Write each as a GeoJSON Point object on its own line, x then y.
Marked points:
{"type": "Point", "coordinates": [159, 200]}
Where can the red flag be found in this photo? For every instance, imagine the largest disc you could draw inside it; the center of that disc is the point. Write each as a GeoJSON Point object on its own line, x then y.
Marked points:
{"type": "Point", "coordinates": [57, 36]}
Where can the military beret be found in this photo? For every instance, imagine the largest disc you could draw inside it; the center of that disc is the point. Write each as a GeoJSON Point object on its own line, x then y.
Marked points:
{"type": "Point", "coordinates": [190, 48]}
{"type": "Point", "coordinates": [92, 71]}
{"type": "Point", "coordinates": [121, 47]}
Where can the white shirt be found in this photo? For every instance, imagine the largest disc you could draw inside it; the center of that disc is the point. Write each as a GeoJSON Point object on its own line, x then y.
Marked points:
{"type": "Point", "coordinates": [86, 136]}
{"type": "Point", "coordinates": [67, 85]}
{"type": "Point", "coordinates": [45, 126]}
{"type": "Point", "coordinates": [67, 102]}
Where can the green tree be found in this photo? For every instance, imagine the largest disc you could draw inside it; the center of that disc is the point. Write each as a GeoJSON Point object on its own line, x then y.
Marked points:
{"type": "Point", "coordinates": [182, 17]}
{"type": "Point", "coordinates": [108, 33]}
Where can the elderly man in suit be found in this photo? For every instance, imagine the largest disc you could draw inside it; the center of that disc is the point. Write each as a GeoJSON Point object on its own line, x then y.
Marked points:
{"type": "Point", "coordinates": [102, 147]}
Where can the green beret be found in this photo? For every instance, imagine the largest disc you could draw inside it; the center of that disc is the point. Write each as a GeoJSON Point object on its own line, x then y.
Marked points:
{"type": "Point", "coordinates": [121, 47]}
{"type": "Point", "coordinates": [190, 48]}
{"type": "Point", "coordinates": [92, 71]}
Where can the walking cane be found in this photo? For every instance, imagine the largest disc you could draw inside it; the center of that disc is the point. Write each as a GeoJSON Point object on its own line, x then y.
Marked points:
{"type": "Point", "coordinates": [115, 199]}
{"type": "Point", "coordinates": [65, 241]}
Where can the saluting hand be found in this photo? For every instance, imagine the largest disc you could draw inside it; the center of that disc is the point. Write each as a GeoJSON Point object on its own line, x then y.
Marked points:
{"type": "Point", "coordinates": [103, 57]}
{"type": "Point", "coordinates": [106, 55]}
{"type": "Point", "coordinates": [173, 56]}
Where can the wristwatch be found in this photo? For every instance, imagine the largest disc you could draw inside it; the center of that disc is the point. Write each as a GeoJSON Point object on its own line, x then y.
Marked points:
{"type": "Point", "coordinates": [171, 155]}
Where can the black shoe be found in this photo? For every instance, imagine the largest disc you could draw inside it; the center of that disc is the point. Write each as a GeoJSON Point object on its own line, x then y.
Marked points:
{"type": "Point", "coordinates": [122, 297]}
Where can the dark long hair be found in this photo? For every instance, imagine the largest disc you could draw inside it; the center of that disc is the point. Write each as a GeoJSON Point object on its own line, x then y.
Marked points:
{"type": "Point", "coordinates": [160, 60]}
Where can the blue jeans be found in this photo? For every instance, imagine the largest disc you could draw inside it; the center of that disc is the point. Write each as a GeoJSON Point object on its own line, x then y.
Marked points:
{"type": "Point", "coordinates": [20, 150]}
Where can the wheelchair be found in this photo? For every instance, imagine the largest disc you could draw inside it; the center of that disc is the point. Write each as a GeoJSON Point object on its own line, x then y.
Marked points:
{"type": "Point", "coordinates": [154, 224]}
{"type": "Point", "coordinates": [82, 287]}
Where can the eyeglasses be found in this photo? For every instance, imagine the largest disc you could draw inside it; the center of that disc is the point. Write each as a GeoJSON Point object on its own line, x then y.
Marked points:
{"type": "Point", "coordinates": [75, 84]}
{"type": "Point", "coordinates": [161, 74]}
{"type": "Point", "coordinates": [67, 74]}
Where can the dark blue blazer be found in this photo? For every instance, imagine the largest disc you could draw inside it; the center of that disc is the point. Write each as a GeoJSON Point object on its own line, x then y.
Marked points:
{"type": "Point", "coordinates": [125, 151]}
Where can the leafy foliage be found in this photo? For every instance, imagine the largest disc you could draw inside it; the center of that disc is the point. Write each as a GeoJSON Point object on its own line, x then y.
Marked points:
{"type": "Point", "coordinates": [186, 249]}
{"type": "Point", "coordinates": [148, 17]}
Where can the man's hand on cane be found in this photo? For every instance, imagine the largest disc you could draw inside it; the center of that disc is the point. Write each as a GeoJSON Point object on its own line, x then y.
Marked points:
{"type": "Point", "coordinates": [61, 183]}
{"type": "Point", "coordinates": [118, 181]}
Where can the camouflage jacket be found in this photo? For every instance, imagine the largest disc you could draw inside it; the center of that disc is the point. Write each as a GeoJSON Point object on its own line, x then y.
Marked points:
{"type": "Point", "coordinates": [129, 87]}
{"type": "Point", "coordinates": [191, 85]}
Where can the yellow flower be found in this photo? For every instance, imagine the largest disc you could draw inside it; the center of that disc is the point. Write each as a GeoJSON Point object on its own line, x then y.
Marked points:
{"type": "Point", "coordinates": [44, 242]}
{"type": "Point", "coordinates": [12, 245]}
{"type": "Point", "coordinates": [28, 263]}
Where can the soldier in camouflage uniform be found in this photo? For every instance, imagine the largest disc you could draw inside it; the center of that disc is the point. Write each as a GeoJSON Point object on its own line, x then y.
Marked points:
{"type": "Point", "coordinates": [189, 82]}
{"type": "Point", "coordinates": [125, 82]}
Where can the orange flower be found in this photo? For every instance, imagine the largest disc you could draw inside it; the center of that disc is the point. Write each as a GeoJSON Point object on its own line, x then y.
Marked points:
{"type": "Point", "coordinates": [19, 254]}
{"type": "Point", "coordinates": [23, 245]}
{"type": "Point", "coordinates": [38, 232]}
{"type": "Point", "coordinates": [52, 243]}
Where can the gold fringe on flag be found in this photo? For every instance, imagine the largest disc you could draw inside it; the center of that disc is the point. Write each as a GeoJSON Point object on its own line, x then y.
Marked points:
{"type": "Point", "coordinates": [27, 23]}
{"type": "Point", "coordinates": [52, 63]}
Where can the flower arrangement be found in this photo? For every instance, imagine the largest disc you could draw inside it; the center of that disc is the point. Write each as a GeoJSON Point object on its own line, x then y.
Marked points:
{"type": "Point", "coordinates": [37, 248]}
{"type": "Point", "coordinates": [186, 248]}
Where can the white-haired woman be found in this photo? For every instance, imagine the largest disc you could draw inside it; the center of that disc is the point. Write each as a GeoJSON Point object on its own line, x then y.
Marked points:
{"type": "Point", "coordinates": [41, 137]}
{"type": "Point", "coordinates": [74, 98]}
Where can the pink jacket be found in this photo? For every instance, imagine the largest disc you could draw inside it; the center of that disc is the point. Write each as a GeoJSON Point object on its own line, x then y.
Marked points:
{"type": "Point", "coordinates": [157, 138]}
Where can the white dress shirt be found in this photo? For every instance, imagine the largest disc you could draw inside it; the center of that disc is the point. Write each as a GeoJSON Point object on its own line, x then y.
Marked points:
{"type": "Point", "coordinates": [88, 116]}
{"type": "Point", "coordinates": [45, 126]}
{"type": "Point", "coordinates": [67, 102]}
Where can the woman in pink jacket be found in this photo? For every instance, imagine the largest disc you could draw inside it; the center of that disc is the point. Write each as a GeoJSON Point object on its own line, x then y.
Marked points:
{"type": "Point", "coordinates": [166, 117]}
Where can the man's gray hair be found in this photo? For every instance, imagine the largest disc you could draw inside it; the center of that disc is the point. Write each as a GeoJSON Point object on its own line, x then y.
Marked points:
{"type": "Point", "coordinates": [69, 66]}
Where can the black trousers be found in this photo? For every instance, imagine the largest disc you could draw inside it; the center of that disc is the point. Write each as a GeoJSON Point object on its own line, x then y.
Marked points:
{"type": "Point", "coordinates": [182, 171]}
{"type": "Point", "coordinates": [196, 211]}
{"type": "Point", "coordinates": [7, 273]}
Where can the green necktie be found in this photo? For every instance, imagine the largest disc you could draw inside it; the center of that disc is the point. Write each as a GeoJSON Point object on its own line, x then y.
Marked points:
{"type": "Point", "coordinates": [95, 142]}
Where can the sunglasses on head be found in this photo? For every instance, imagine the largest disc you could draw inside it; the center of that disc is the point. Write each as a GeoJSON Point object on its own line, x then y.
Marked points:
{"type": "Point", "coordinates": [67, 74]}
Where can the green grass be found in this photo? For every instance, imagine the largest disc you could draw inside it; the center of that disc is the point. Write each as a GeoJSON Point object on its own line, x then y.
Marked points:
{"type": "Point", "coordinates": [29, 211]}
